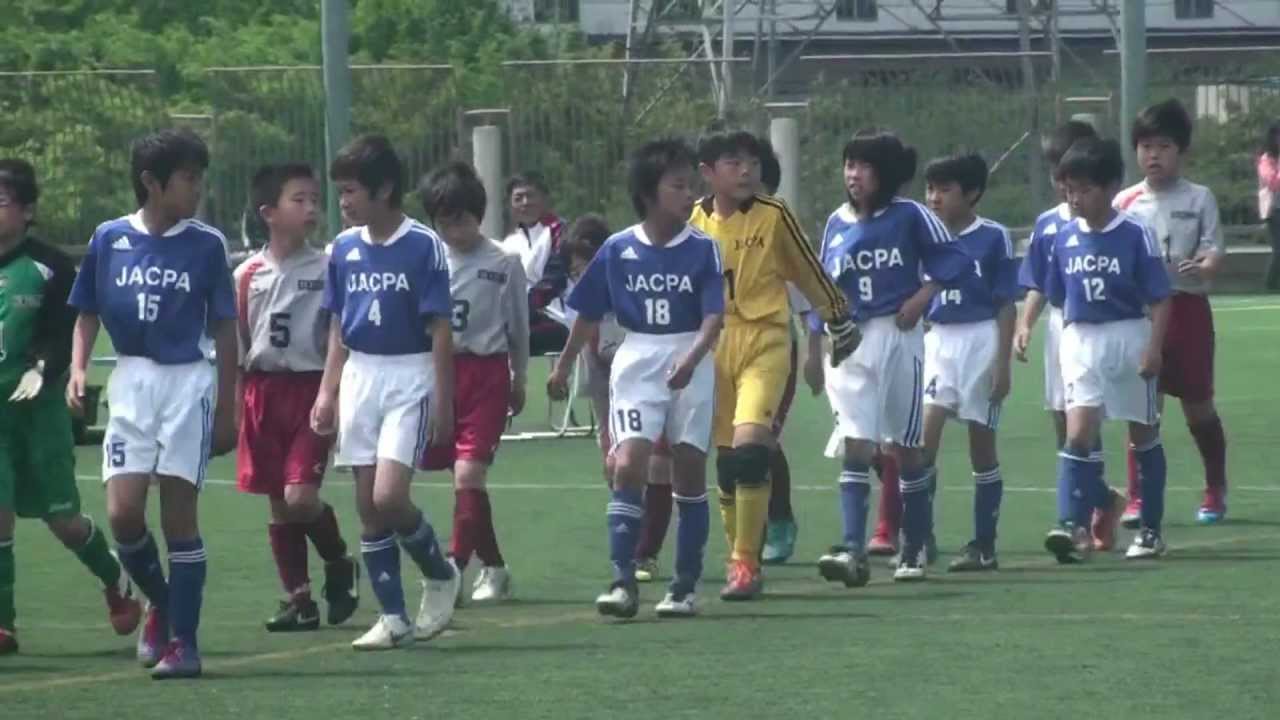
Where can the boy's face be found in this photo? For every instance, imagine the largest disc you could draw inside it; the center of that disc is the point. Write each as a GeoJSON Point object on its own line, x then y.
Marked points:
{"type": "Point", "coordinates": [528, 204]}
{"type": "Point", "coordinates": [180, 197]}
{"type": "Point", "coordinates": [14, 216]}
{"type": "Point", "coordinates": [297, 211]}
{"type": "Point", "coordinates": [673, 201]}
{"type": "Point", "coordinates": [1089, 200]}
{"type": "Point", "coordinates": [460, 230]}
{"type": "Point", "coordinates": [1159, 158]}
{"type": "Point", "coordinates": [355, 201]}
{"type": "Point", "coordinates": [949, 201]}
{"type": "Point", "coordinates": [860, 181]}
{"type": "Point", "coordinates": [578, 265]}
{"type": "Point", "coordinates": [735, 176]}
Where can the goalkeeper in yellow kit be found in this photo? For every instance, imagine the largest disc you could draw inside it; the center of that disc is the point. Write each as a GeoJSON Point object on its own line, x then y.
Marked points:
{"type": "Point", "coordinates": [763, 248]}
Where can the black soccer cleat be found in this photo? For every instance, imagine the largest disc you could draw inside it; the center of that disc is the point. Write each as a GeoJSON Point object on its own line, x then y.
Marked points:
{"type": "Point", "coordinates": [295, 615]}
{"type": "Point", "coordinates": [341, 589]}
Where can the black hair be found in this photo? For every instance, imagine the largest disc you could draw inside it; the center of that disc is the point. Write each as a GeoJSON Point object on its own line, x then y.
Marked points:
{"type": "Point", "coordinates": [452, 190]}
{"type": "Point", "coordinates": [968, 171]}
{"type": "Point", "coordinates": [649, 163]}
{"type": "Point", "coordinates": [1168, 119]}
{"type": "Point", "coordinates": [528, 178]}
{"type": "Point", "coordinates": [163, 153]}
{"type": "Point", "coordinates": [770, 168]}
{"type": "Point", "coordinates": [19, 178]}
{"type": "Point", "coordinates": [269, 181]}
{"type": "Point", "coordinates": [894, 162]}
{"type": "Point", "coordinates": [371, 161]}
{"type": "Point", "coordinates": [1063, 137]}
{"type": "Point", "coordinates": [586, 236]}
{"type": "Point", "coordinates": [718, 143]}
{"type": "Point", "coordinates": [1101, 162]}
{"type": "Point", "coordinates": [1271, 142]}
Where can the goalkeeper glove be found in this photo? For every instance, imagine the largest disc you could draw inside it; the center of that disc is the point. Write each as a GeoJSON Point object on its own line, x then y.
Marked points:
{"type": "Point", "coordinates": [29, 386]}
{"type": "Point", "coordinates": [844, 339]}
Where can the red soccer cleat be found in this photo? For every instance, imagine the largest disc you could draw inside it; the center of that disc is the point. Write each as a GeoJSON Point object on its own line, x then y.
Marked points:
{"type": "Point", "coordinates": [1132, 516]}
{"type": "Point", "coordinates": [882, 543]}
{"type": "Point", "coordinates": [744, 582]}
{"type": "Point", "coordinates": [124, 611]}
{"type": "Point", "coordinates": [8, 642]}
{"type": "Point", "coordinates": [1105, 521]}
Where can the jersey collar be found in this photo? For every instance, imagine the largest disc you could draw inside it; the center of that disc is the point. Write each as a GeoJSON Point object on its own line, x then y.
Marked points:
{"type": "Point", "coordinates": [1115, 222]}
{"type": "Point", "coordinates": [642, 237]}
{"type": "Point", "coordinates": [135, 221]}
{"type": "Point", "coordinates": [406, 224]}
{"type": "Point", "coordinates": [1064, 211]}
{"type": "Point", "coordinates": [708, 205]}
{"type": "Point", "coordinates": [847, 214]}
{"type": "Point", "coordinates": [977, 223]}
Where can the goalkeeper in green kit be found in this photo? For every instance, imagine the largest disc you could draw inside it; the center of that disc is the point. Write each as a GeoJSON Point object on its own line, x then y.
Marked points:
{"type": "Point", "coordinates": [37, 459]}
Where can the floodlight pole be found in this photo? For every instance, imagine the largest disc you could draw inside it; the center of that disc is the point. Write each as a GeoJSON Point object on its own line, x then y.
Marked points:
{"type": "Point", "coordinates": [1133, 76]}
{"type": "Point", "coordinates": [335, 30]}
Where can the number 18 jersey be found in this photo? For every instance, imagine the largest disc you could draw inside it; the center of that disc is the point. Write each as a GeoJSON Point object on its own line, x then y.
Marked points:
{"type": "Point", "coordinates": [283, 326]}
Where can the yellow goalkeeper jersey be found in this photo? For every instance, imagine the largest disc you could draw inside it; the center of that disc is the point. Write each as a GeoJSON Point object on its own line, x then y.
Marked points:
{"type": "Point", "coordinates": [763, 248]}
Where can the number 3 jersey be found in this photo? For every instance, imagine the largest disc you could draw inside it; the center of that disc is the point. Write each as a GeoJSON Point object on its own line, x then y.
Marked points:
{"type": "Point", "coordinates": [1107, 274]}
{"type": "Point", "coordinates": [385, 293]}
{"type": "Point", "coordinates": [283, 326]}
{"type": "Point", "coordinates": [157, 296]}
{"type": "Point", "coordinates": [650, 289]}
{"type": "Point", "coordinates": [490, 303]}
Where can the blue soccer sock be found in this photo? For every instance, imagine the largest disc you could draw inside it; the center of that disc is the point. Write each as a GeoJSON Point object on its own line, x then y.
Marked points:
{"type": "Point", "coordinates": [1153, 471]}
{"type": "Point", "coordinates": [693, 527]}
{"type": "Point", "coordinates": [188, 567]}
{"type": "Point", "coordinates": [624, 516]}
{"type": "Point", "coordinates": [382, 561]}
{"type": "Point", "coordinates": [1083, 477]}
{"type": "Point", "coordinates": [141, 558]}
{"type": "Point", "coordinates": [855, 490]}
{"type": "Point", "coordinates": [988, 491]}
{"type": "Point", "coordinates": [423, 548]}
{"type": "Point", "coordinates": [916, 510]}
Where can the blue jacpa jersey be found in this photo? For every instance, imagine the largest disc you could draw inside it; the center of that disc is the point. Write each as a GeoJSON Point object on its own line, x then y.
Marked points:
{"type": "Point", "coordinates": [1106, 275]}
{"type": "Point", "coordinates": [158, 297]}
{"type": "Point", "coordinates": [994, 282]}
{"type": "Point", "coordinates": [385, 294]}
{"type": "Point", "coordinates": [653, 290]}
{"type": "Point", "coordinates": [1035, 266]}
{"type": "Point", "coordinates": [879, 262]}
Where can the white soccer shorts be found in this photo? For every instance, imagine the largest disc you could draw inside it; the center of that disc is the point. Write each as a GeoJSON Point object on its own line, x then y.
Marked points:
{"type": "Point", "coordinates": [642, 406]}
{"type": "Point", "coordinates": [958, 363]}
{"type": "Point", "coordinates": [161, 419]}
{"type": "Point", "coordinates": [1054, 397]}
{"type": "Point", "coordinates": [1100, 370]}
{"type": "Point", "coordinates": [877, 393]}
{"type": "Point", "coordinates": [384, 409]}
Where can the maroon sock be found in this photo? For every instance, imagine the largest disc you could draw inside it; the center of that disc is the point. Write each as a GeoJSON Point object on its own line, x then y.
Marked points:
{"type": "Point", "coordinates": [486, 538]}
{"type": "Point", "coordinates": [325, 536]}
{"type": "Point", "coordinates": [779, 487]}
{"type": "Point", "coordinates": [462, 541]}
{"type": "Point", "coordinates": [289, 547]}
{"type": "Point", "coordinates": [1134, 489]}
{"type": "Point", "coordinates": [890, 522]}
{"type": "Point", "coordinates": [1212, 442]}
{"type": "Point", "coordinates": [657, 518]}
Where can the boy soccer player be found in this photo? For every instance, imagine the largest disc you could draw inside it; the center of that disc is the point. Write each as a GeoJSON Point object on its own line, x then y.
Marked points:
{"type": "Point", "coordinates": [967, 351]}
{"type": "Point", "coordinates": [491, 344]}
{"type": "Point", "coordinates": [664, 282]}
{"type": "Point", "coordinates": [1033, 275]}
{"type": "Point", "coordinates": [388, 377]}
{"type": "Point", "coordinates": [1106, 270]}
{"type": "Point", "coordinates": [282, 331]}
{"type": "Point", "coordinates": [1184, 216]}
{"type": "Point", "coordinates": [159, 281]}
{"type": "Point", "coordinates": [876, 247]}
{"type": "Point", "coordinates": [37, 458]}
{"type": "Point", "coordinates": [763, 248]}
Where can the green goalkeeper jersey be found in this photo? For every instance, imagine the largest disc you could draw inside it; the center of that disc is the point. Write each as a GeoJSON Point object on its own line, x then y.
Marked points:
{"type": "Point", "coordinates": [35, 321]}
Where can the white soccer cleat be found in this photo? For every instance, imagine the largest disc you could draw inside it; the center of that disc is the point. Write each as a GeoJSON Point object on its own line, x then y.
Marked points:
{"type": "Point", "coordinates": [438, 600]}
{"type": "Point", "coordinates": [493, 584]}
{"type": "Point", "coordinates": [390, 632]}
{"type": "Point", "coordinates": [671, 607]}
{"type": "Point", "coordinates": [1147, 544]}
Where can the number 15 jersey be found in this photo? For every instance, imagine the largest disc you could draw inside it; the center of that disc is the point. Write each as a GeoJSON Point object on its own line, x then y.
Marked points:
{"type": "Point", "coordinates": [283, 326]}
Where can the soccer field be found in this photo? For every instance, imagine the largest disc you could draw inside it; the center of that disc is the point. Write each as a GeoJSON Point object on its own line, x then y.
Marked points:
{"type": "Point", "coordinates": [1190, 636]}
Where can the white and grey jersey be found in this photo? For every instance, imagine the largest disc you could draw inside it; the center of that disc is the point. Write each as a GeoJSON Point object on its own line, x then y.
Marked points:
{"type": "Point", "coordinates": [1184, 218]}
{"type": "Point", "coordinates": [282, 326]}
{"type": "Point", "coordinates": [490, 303]}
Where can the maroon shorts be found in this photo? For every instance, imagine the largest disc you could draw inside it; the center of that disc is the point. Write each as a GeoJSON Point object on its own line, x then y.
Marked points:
{"type": "Point", "coordinates": [277, 447]}
{"type": "Point", "coordinates": [1187, 371]}
{"type": "Point", "coordinates": [788, 392]}
{"type": "Point", "coordinates": [481, 398]}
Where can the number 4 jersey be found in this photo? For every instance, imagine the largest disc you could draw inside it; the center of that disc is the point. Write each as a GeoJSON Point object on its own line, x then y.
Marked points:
{"type": "Point", "coordinates": [283, 326]}
{"type": "Point", "coordinates": [157, 296]}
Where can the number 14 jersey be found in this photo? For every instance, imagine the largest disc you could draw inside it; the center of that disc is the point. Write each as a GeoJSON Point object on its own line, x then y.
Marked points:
{"type": "Point", "coordinates": [283, 326]}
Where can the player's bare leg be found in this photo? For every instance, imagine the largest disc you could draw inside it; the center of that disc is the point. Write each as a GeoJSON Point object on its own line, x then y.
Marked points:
{"type": "Point", "coordinates": [847, 562]}
{"type": "Point", "coordinates": [693, 527]}
{"type": "Point", "coordinates": [1206, 429]}
{"type": "Point", "coordinates": [79, 534]}
{"type": "Point", "coordinates": [473, 532]}
{"type": "Point", "coordinates": [1080, 487]}
{"type": "Point", "coordinates": [657, 516]}
{"type": "Point", "coordinates": [623, 519]}
{"type": "Point", "coordinates": [748, 465]}
{"type": "Point", "coordinates": [1153, 470]}
{"type": "Point", "coordinates": [8, 629]}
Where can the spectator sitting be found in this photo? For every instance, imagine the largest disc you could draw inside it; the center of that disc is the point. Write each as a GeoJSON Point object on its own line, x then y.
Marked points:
{"type": "Point", "coordinates": [536, 239]}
